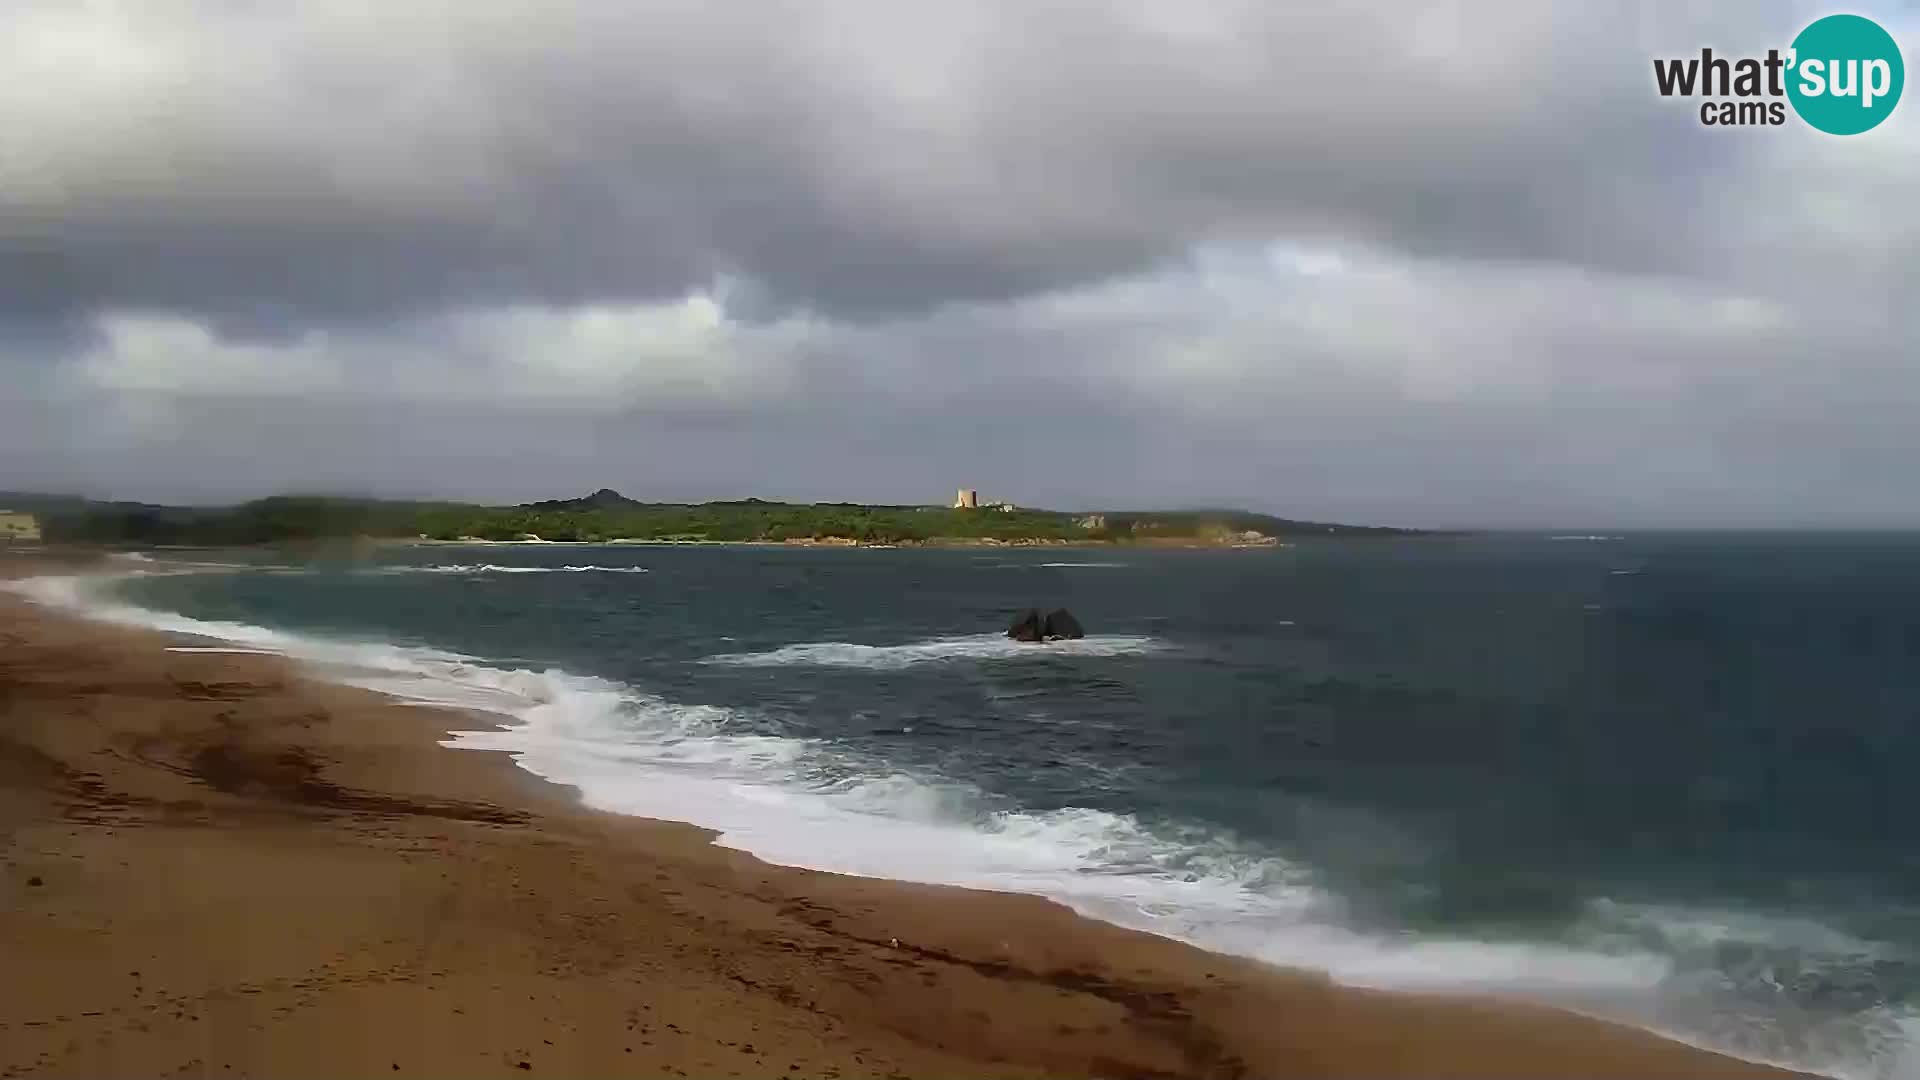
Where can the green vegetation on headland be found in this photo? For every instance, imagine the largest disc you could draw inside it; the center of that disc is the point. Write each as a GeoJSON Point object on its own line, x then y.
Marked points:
{"type": "Point", "coordinates": [608, 516]}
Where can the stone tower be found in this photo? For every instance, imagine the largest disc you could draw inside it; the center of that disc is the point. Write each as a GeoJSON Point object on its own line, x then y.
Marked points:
{"type": "Point", "coordinates": [966, 500]}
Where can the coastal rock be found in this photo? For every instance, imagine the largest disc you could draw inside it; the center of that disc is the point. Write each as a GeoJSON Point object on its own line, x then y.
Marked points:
{"type": "Point", "coordinates": [1029, 625]}
{"type": "Point", "coordinates": [1060, 624]}
{"type": "Point", "coordinates": [1057, 625]}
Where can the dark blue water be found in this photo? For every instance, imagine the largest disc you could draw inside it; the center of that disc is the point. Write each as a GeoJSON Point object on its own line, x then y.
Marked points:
{"type": "Point", "coordinates": [1669, 778]}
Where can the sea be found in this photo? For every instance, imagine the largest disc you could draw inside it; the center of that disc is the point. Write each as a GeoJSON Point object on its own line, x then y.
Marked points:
{"type": "Point", "coordinates": [1668, 779]}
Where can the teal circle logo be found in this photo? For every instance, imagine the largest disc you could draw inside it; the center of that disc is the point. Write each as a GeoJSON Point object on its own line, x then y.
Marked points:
{"type": "Point", "coordinates": [1846, 74]}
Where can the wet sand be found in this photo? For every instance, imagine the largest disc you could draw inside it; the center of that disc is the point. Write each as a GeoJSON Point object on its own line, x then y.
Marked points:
{"type": "Point", "coordinates": [211, 866]}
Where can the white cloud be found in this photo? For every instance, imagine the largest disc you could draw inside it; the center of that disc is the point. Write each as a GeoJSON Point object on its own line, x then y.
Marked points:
{"type": "Point", "coordinates": [144, 354]}
{"type": "Point", "coordinates": [602, 356]}
{"type": "Point", "coordinates": [591, 358]}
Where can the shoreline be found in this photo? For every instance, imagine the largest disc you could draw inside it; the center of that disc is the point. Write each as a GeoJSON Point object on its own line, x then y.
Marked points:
{"type": "Point", "coordinates": [843, 542]}
{"type": "Point", "coordinates": [123, 764]}
{"type": "Point", "coordinates": [837, 543]}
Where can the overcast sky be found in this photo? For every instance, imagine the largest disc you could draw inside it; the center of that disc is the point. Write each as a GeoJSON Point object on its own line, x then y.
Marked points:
{"type": "Point", "coordinates": [1447, 264]}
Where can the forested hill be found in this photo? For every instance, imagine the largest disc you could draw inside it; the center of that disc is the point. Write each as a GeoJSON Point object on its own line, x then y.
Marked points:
{"type": "Point", "coordinates": [607, 515]}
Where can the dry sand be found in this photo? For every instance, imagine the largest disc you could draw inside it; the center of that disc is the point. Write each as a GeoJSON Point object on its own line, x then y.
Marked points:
{"type": "Point", "coordinates": [212, 867]}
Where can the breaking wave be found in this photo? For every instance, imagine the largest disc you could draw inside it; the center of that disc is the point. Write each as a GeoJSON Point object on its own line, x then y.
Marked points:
{"type": "Point", "coordinates": [1707, 976]}
{"type": "Point", "coordinates": [846, 654]}
{"type": "Point", "coordinates": [494, 568]}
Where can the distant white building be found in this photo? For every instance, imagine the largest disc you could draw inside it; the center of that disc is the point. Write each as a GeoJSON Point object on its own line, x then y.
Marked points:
{"type": "Point", "coordinates": [969, 499]}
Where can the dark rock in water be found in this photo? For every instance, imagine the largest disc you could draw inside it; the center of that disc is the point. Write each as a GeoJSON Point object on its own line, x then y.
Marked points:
{"type": "Point", "coordinates": [1029, 625]}
{"type": "Point", "coordinates": [1056, 625]}
{"type": "Point", "coordinates": [1060, 623]}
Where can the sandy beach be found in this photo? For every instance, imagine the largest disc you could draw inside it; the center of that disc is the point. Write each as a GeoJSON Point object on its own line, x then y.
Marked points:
{"type": "Point", "coordinates": [214, 867]}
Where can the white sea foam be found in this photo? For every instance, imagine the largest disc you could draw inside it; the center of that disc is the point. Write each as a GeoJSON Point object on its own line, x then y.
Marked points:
{"type": "Point", "coordinates": [494, 568]}
{"type": "Point", "coordinates": [1104, 865]}
{"type": "Point", "coordinates": [1018, 565]}
{"type": "Point", "coordinates": [235, 651]}
{"type": "Point", "coordinates": [91, 596]}
{"type": "Point", "coordinates": [797, 802]}
{"type": "Point", "coordinates": [1679, 929]}
{"type": "Point", "coordinates": [1743, 980]}
{"type": "Point", "coordinates": [803, 803]}
{"type": "Point", "coordinates": [172, 565]}
{"type": "Point", "coordinates": [970, 647]}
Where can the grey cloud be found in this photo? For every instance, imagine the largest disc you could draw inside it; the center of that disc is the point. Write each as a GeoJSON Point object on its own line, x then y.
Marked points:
{"type": "Point", "coordinates": [1363, 386]}
{"type": "Point", "coordinates": [1456, 266]}
{"type": "Point", "coordinates": [306, 164]}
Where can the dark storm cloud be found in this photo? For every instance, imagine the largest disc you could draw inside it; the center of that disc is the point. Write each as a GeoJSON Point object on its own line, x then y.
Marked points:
{"type": "Point", "coordinates": [304, 164]}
